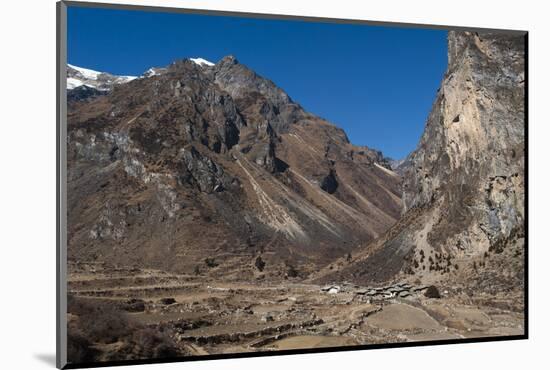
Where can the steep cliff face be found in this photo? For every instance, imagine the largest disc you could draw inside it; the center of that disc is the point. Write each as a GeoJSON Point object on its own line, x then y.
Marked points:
{"type": "Point", "coordinates": [198, 160]}
{"type": "Point", "coordinates": [463, 189]}
{"type": "Point", "coordinates": [471, 155]}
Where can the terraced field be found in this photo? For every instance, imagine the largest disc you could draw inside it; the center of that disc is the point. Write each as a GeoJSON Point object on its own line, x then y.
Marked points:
{"type": "Point", "coordinates": [204, 317]}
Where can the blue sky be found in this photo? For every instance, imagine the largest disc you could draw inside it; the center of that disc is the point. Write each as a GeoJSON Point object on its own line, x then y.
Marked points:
{"type": "Point", "coordinates": [377, 83]}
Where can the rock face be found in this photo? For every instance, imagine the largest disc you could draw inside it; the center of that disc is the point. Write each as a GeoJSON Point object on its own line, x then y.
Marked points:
{"type": "Point", "coordinates": [199, 161]}
{"type": "Point", "coordinates": [463, 189]}
{"type": "Point", "coordinates": [83, 92]}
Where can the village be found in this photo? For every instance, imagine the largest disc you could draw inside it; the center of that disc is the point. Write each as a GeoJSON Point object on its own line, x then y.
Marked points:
{"type": "Point", "coordinates": [208, 317]}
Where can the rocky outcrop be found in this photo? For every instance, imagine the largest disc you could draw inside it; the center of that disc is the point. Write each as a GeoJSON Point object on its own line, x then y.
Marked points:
{"type": "Point", "coordinates": [202, 171]}
{"type": "Point", "coordinates": [463, 188]}
{"type": "Point", "coordinates": [258, 98]}
{"type": "Point", "coordinates": [83, 92]}
{"type": "Point", "coordinates": [267, 109]}
{"type": "Point", "coordinates": [329, 183]}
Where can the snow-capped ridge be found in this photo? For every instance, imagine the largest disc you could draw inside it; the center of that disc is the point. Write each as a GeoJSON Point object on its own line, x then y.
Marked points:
{"type": "Point", "coordinates": [201, 62]}
{"type": "Point", "coordinates": [150, 73]}
{"type": "Point", "coordinates": [104, 81]}
{"type": "Point", "coordinates": [153, 71]}
{"type": "Point", "coordinates": [90, 74]}
{"type": "Point", "coordinates": [85, 72]}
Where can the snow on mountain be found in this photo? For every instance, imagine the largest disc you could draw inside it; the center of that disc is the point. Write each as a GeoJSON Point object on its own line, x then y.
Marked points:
{"type": "Point", "coordinates": [78, 76]}
{"type": "Point", "coordinates": [150, 72]}
{"type": "Point", "coordinates": [103, 81]}
{"type": "Point", "coordinates": [202, 62]}
{"type": "Point", "coordinates": [153, 71]}
{"type": "Point", "coordinates": [127, 78]}
{"type": "Point", "coordinates": [86, 73]}
{"type": "Point", "coordinates": [73, 83]}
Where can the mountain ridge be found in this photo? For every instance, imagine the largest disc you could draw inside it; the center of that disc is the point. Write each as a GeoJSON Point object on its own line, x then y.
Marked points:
{"type": "Point", "coordinates": [199, 145]}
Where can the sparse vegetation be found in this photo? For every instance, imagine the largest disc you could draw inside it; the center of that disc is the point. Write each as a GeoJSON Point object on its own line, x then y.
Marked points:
{"type": "Point", "coordinates": [97, 324]}
{"type": "Point", "coordinates": [79, 349]}
{"type": "Point", "coordinates": [148, 343]}
{"type": "Point", "coordinates": [100, 321]}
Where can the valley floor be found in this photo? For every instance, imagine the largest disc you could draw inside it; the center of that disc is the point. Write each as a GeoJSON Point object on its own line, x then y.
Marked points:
{"type": "Point", "coordinates": [203, 317]}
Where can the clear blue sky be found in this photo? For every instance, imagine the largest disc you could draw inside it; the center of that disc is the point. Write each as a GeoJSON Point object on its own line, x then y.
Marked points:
{"type": "Point", "coordinates": [377, 83]}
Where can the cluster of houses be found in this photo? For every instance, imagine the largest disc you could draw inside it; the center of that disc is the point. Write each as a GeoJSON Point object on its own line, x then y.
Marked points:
{"type": "Point", "coordinates": [401, 290]}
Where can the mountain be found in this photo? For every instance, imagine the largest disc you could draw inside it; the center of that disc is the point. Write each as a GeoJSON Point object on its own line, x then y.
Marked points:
{"type": "Point", "coordinates": [463, 189]}
{"type": "Point", "coordinates": [199, 166]}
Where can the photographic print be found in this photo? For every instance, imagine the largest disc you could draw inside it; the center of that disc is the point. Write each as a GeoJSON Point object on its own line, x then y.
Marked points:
{"type": "Point", "coordinates": [248, 184]}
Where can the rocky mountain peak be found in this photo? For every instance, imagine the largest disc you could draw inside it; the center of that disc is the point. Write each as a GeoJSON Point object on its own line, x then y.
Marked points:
{"type": "Point", "coordinates": [228, 60]}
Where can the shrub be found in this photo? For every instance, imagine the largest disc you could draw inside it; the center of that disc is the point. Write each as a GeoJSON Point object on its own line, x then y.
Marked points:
{"type": "Point", "coordinates": [167, 301]}
{"type": "Point", "coordinates": [432, 292]}
{"type": "Point", "coordinates": [99, 322]}
{"type": "Point", "coordinates": [146, 343]}
{"type": "Point", "coordinates": [292, 272]}
{"type": "Point", "coordinates": [210, 262]}
{"type": "Point", "coordinates": [133, 305]}
{"type": "Point", "coordinates": [259, 263]}
{"type": "Point", "coordinates": [79, 349]}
